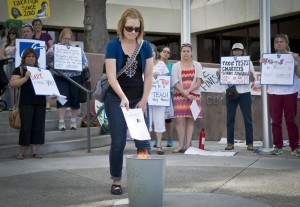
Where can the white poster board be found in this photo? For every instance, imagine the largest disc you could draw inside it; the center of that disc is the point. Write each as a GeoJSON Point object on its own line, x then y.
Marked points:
{"type": "Point", "coordinates": [211, 82]}
{"type": "Point", "coordinates": [67, 58]}
{"type": "Point", "coordinates": [234, 70]}
{"type": "Point", "coordinates": [278, 69]}
{"type": "Point", "coordinates": [39, 47]}
{"type": "Point", "coordinates": [43, 82]}
{"type": "Point", "coordinates": [160, 94]}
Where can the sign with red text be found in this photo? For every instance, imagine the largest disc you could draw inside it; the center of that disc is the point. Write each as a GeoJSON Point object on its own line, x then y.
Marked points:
{"type": "Point", "coordinates": [234, 70]}
{"type": "Point", "coordinates": [43, 82]}
{"type": "Point", "coordinates": [160, 94]}
{"type": "Point", "coordinates": [277, 69]}
{"type": "Point", "coordinates": [28, 9]}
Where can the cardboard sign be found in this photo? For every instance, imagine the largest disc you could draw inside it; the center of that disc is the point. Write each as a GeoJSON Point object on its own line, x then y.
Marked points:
{"type": "Point", "coordinates": [67, 58]}
{"type": "Point", "coordinates": [211, 82]}
{"type": "Point", "coordinates": [160, 94]}
{"type": "Point", "coordinates": [29, 9]}
{"type": "Point", "coordinates": [278, 69]}
{"type": "Point", "coordinates": [42, 81]}
{"type": "Point", "coordinates": [234, 70]}
{"type": "Point", "coordinates": [39, 47]}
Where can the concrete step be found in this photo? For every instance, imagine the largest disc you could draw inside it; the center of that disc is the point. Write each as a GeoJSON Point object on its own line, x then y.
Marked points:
{"type": "Point", "coordinates": [13, 137]}
{"type": "Point", "coordinates": [60, 145]}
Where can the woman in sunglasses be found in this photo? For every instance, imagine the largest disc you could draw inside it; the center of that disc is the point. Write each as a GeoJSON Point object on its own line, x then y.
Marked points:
{"type": "Point", "coordinates": [187, 77]}
{"type": "Point", "coordinates": [8, 50]}
{"type": "Point", "coordinates": [129, 90]}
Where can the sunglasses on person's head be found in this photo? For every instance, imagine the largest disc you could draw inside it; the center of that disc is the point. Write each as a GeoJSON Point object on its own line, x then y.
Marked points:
{"type": "Point", "coordinates": [27, 25]}
{"type": "Point", "coordinates": [165, 51]}
{"type": "Point", "coordinates": [130, 29]}
{"type": "Point", "coordinates": [186, 45]}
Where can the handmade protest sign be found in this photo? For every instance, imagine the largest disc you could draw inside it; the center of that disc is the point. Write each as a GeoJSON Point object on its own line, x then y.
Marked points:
{"type": "Point", "coordinates": [21, 9]}
{"type": "Point", "coordinates": [37, 45]}
{"type": "Point", "coordinates": [277, 69]}
{"type": "Point", "coordinates": [67, 57]}
{"type": "Point", "coordinates": [160, 94]}
{"type": "Point", "coordinates": [211, 82]}
{"type": "Point", "coordinates": [43, 82]}
{"type": "Point", "coordinates": [234, 70]}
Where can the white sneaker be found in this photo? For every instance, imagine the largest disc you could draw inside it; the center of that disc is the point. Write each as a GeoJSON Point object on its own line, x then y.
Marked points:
{"type": "Point", "coordinates": [61, 126]}
{"type": "Point", "coordinates": [73, 126]}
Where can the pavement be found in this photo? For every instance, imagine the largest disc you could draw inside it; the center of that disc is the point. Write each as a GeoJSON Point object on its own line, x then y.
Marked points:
{"type": "Point", "coordinates": [79, 179]}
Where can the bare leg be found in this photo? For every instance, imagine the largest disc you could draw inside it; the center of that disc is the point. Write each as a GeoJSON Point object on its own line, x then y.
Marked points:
{"type": "Point", "coordinates": [189, 132]}
{"type": "Point", "coordinates": [33, 149]}
{"type": "Point", "coordinates": [169, 130]}
{"type": "Point", "coordinates": [74, 113]}
{"type": "Point", "coordinates": [159, 138]}
{"type": "Point", "coordinates": [180, 131]}
{"type": "Point", "coordinates": [22, 150]}
{"type": "Point", "coordinates": [62, 113]}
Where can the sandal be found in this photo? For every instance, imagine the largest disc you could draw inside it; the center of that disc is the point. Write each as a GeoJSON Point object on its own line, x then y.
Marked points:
{"type": "Point", "coordinates": [20, 157]}
{"type": "Point", "coordinates": [160, 151]}
{"type": "Point", "coordinates": [36, 156]}
{"type": "Point", "coordinates": [116, 189]}
{"type": "Point", "coordinates": [178, 150]}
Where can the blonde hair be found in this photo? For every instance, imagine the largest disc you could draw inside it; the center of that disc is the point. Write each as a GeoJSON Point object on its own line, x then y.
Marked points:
{"type": "Point", "coordinates": [285, 38]}
{"type": "Point", "coordinates": [64, 32]}
{"type": "Point", "coordinates": [130, 13]}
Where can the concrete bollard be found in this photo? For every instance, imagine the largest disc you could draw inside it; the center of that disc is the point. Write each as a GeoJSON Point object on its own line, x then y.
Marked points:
{"type": "Point", "coordinates": [145, 180]}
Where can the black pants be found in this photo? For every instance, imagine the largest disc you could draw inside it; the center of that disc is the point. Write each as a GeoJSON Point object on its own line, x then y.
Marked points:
{"type": "Point", "coordinates": [32, 124]}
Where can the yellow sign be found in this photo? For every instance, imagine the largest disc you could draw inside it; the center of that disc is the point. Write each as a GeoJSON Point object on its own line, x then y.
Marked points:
{"type": "Point", "coordinates": [26, 9]}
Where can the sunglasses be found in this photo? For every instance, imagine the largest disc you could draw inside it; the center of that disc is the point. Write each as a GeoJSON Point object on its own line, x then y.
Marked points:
{"type": "Point", "coordinates": [165, 51]}
{"type": "Point", "coordinates": [237, 49]}
{"type": "Point", "coordinates": [13, 33]}
{"type": "Point", "coordinates": [130, 29]}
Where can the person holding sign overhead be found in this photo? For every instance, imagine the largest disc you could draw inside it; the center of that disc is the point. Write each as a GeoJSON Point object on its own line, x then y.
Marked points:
{"type": "Point", "coordinates": [157, 113]}
{"type": "Point", "coordinates": [187, 77]}
{"type": "Point", "coordinates": [283, 102]}
{"type": "Point", "coordinates": [32, 106]}
{"type": "Point", "coordinates": [243, 100]}
{"type": "Point", "coordinates": [65, 87]}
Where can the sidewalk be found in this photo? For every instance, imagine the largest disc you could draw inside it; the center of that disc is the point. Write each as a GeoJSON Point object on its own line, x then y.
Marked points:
{"type": "Point", "coordinates": [82, 179]}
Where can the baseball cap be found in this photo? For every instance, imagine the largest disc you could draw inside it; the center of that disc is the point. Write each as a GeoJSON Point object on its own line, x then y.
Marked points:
{"type": "Point", "coordinates": [238, 46]}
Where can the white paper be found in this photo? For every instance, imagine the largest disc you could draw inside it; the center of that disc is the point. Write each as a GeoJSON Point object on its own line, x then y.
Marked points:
{"type": "Point", "coordinates": [160, 94]}
{"type": "Point", "coordinates": [136, 124]}
{"type": "Point", "coordinates": [196, 151]}
{"type": "Point", "coordinates": [67, 58]}
{"type": "Point", "coordinates": [195, 109]}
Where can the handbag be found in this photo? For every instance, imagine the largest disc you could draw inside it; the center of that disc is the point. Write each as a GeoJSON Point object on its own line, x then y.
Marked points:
{"type": "Point", "coordinates": [103, 84]}
{"type": "Point", "coordinates": [14, 115]}
{"type": "Point", "coordinates": [232, 93]}
{"type": "Point", "coordinates": [85, 76]}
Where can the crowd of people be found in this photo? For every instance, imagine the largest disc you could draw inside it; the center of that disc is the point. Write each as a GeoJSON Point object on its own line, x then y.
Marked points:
{"type": "Point", "coordinates": [132, 87]}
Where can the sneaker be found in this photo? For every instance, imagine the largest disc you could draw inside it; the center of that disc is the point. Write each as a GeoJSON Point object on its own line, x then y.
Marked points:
{"type": "Point", "coordinates": [73, 126]}
{"type": "Point", "coordinates": [61, 126]}
{"type": "Point", "coordinates": [229, 147]}
{"type": "Point", "coordinates": [296, 152]}
{"type": "Point", "coordinates": [170, 143]}
{"type": "Point", "coordinates": [276, 151]}
{"type": "Point", "coordinates": [250, 147]}
{"type": "Point", "coordinates": [155, 144]}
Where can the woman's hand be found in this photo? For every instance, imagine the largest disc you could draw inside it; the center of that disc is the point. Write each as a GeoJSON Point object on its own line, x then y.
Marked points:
{"type": "Point", "coordinates": [143, 106]}
{"type": "Point", "coordinates": [218, 72]}
{"type": "Point", "coordinates": [262, 60]}
{"type": "Point", "coordinates": [296, 57]}
{"type": "Point", "coordinates": [27, 74]}
{"type": "Point", "coordinates": [124, 102]}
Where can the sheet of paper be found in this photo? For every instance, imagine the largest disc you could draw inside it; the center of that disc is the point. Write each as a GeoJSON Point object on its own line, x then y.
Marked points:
{"type": "Point", "coordinates": [136, 124]}
{"type": "Point", "coordinates": [195, 109]}
{"type": "Point", "coordinates": [196, 151]}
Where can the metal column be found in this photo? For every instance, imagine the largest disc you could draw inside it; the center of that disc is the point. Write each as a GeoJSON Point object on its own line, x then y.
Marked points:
{"type": "Point", "coordinates": [185, 21]}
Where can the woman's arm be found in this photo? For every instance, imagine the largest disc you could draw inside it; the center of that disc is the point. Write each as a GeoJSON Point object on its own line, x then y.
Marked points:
{"type": "Point", "coordinates": [297, 58]}
{"type": "Point", "coordinates": [195, 86]}
{"type": "Point", "coordinates": [147, 84]}
{"type": "Point", "coordinates": [2, 51]}
{"type": "Point", "coordinates": [111, 73]}
{"type": "Point", "coordinates": [17, 81]}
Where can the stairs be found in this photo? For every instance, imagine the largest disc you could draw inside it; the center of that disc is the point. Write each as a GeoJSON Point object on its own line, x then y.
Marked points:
{"type": "Point", "coordinates": [55, 141]}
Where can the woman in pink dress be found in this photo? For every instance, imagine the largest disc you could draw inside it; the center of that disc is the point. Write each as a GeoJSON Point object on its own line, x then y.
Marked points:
{"type": "Point", "coordinates": [187, 77]}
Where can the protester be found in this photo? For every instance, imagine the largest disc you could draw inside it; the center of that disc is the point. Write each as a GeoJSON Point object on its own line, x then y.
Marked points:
{"type": "Point", "coordinates": [187, 77]}
{"type": "Point", "coordinates": [27, 31]}
{"type": "Point", "coordinates": [32, 106]}
{"type": "Point", "coordinates": [65, 87]}
{"type": "Point", "coordinates": [157, 113]}
{"type": "Point", "coordinates": [8, 50]}
{"type": "Point", "coordinates": [244, 101]}
{"type": "Point", "coordinates": [129, 90]}
{"type": "Point", "coordinates": [39, 35]}
{"type": "Point", "coordinates": [283, 102]}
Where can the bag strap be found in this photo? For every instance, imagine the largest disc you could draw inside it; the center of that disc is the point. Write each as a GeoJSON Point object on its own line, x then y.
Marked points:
{"type": "Point", "coordinates": [19, 89]}
{"type": "Point", "coordinates": [132, 58]}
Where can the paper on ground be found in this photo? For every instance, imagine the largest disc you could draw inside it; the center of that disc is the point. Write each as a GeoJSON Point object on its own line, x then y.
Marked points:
{"type": "Point", "coordinates": [196, 151]}
{"type": "Point", "coordinates": [195, 109]}
{"type": "Point", "coordinates": [136, 124]}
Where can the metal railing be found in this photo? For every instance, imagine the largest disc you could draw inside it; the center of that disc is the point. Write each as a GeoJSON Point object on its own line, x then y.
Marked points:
{"type": "Point", "coordinates": [88, 92]}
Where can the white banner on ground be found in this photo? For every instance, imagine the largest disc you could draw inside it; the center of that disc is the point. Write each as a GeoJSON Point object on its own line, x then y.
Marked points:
{"type": "Point", "coordinates": [67, 58]}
